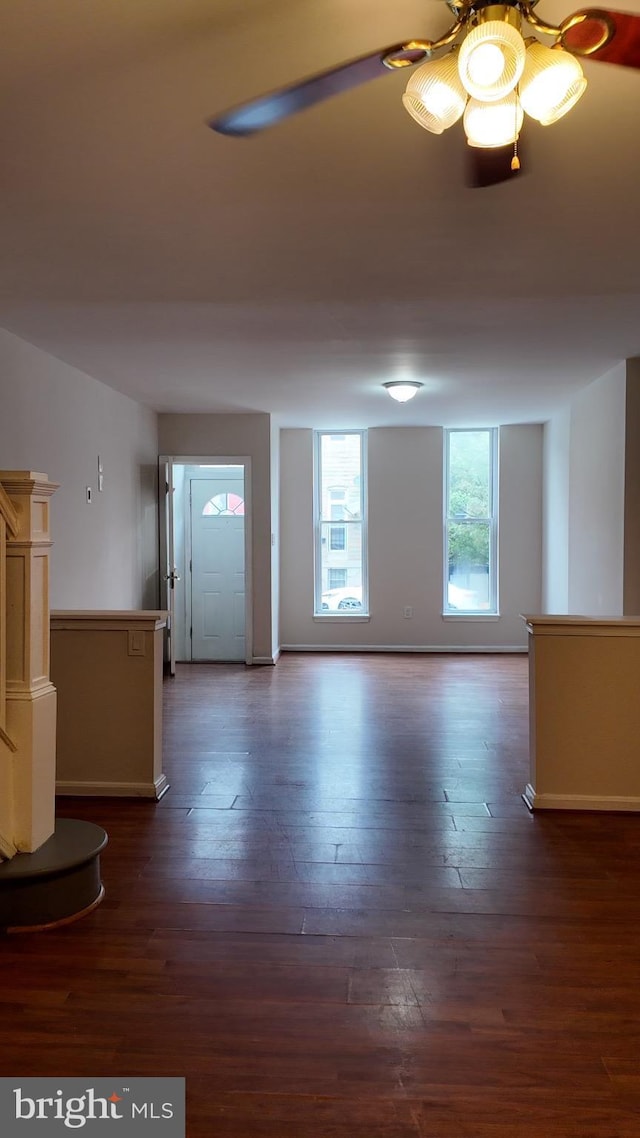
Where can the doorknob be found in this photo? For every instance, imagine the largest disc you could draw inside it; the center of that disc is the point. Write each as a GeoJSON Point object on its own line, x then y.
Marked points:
{"type": "Point", "coordinates": [173, 576]}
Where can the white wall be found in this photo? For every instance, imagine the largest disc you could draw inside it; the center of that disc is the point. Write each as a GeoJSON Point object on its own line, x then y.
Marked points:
{"type": "Point", "coordinates": [275, 540]}
{"type": "Point", "coordinates": [182, 644]}
{"type": "Point", "coordinates": [555, 543]}
{"type": "Point", "coordinates": [405, 534]}
{"type": "Point", "coordinates": [220, 436]}
{"type": "Point", "coordinates": [520, 521]}
{"type": "Point", "coordinates": [405, 543]}
{"type": "Point", "coordinates": [632, 491]}
{"type": "Point", "coordinates": [56, 419]}
{"type": "Point", "coordinates": [296, 536]}
{"type": "Point", "coordinates": [596, 497]}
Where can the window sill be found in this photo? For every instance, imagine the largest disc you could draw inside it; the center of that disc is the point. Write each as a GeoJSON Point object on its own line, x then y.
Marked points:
{"type": "Point", "coordinates": [335, 618]}
{"type": "Point", "coordinates": [471, 616]}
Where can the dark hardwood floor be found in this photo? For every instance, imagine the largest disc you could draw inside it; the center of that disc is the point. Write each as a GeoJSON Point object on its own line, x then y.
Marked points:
{"type": "Point", "coordinates": [342, 922]}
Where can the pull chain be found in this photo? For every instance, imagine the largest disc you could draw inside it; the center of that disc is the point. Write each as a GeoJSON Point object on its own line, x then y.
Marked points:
{"type": "Point", "coordinates": [515, 161]}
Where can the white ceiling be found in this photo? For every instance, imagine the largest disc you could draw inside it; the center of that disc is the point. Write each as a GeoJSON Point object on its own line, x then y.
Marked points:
{"type": "Point", "coordinates": [296, 271]}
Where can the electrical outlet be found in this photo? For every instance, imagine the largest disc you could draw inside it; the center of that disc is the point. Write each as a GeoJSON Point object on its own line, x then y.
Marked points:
{"type": "Point", "coordinates": [407, 612]}
{"type": "Point", "coordinates": [136, 646]}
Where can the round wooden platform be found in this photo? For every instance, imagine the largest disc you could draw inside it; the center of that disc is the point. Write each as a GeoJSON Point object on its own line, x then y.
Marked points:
{"type": "Point", "coordinates": [58, 883]}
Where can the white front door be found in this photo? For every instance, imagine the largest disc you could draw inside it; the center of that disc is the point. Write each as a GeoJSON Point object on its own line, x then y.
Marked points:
{"type": "Point", "coordinates": [217, 567]}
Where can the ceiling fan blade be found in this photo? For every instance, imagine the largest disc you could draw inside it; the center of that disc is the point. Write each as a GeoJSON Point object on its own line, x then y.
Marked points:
{"type": "Point", "coordinates": [267, 110]}
{"type": "Point", "coordinates": [599, 33]}
{"type": "Point", "coordinates": [492, 166]}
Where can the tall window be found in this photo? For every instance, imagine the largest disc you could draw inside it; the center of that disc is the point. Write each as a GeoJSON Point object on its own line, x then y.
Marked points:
{"type": "Point", "coordinates": [471, 522]}
{"type": "Point", "coordinates": [340, 548]}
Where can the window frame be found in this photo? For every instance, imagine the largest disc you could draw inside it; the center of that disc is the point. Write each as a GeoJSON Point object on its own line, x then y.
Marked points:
{"type": "Point", "coordinates": [492, 519]}
{"type": "Point", "coordinates": [338, 528]}
{"type": "Point", "coordinates": [226, 513]}
{"type": "Point", "coordinates": [333, 569]}
{"type": "Point", "coordinates": [318, 521]}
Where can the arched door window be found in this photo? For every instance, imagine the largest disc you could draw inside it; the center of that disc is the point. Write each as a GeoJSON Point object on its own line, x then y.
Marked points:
{"type": "Point", "coordinates": [228, 505]}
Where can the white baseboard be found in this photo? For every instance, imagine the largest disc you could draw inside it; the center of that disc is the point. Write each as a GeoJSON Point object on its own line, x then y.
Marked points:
{"type": "Point", "coordinates": [264, 659]}
{"type": "Point", "coordinates": [442, 648]}
{"type": "Point", "coordinates": [585, 802]}
{"type": "Point", "coordinates": [154, 790]}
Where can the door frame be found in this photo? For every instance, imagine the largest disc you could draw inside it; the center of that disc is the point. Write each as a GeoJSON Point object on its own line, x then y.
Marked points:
{"type": "Point", "coordinates": [216, 460]}
{"type": "Point", "coordinates": [166, 557]}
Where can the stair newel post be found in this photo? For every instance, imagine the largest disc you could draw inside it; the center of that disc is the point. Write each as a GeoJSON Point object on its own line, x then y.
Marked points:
{"type": "Point", "coordinates": [30, 697]}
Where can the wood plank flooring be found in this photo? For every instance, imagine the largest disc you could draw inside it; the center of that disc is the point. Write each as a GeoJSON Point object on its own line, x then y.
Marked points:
{"type": "Point", "coordinates": [342, 922]}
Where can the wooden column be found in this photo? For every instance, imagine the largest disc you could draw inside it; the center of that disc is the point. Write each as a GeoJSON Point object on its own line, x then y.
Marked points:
{"type": "Point", "coordinates": [8, 526]}
{"type": "Point", "coordinates": [30, 695]}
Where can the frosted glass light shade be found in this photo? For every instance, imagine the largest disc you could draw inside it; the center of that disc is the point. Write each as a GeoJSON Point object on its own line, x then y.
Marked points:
{"type": "Point", "coordinates": [551, 84]}
{"type": "Point", "coordinates": [491, 60]}
{"type": "Point", "coordinates": [493, 124]}
{"type": "Point", "coordinates": [435, 97]}
{"type": "Point", "coordinates": [402, 390]}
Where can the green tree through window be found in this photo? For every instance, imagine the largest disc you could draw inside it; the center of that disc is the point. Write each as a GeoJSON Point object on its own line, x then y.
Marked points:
{"type": "Point", "coordinates": [470, 523]}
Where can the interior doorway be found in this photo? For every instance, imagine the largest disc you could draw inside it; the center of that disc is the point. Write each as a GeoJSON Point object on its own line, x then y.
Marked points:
{"type": "Point", "coordinates": [205, 531]}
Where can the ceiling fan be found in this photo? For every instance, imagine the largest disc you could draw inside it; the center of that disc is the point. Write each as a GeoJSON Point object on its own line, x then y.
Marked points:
{"type": "Point", "coordinates": [492, 74]}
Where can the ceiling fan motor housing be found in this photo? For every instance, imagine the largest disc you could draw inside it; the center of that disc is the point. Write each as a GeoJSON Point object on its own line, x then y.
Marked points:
{"type": "Point", "coordinates": [482, 12]}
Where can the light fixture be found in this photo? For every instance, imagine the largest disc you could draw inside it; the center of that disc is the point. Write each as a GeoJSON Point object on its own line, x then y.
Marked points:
{"type": "Point", "coordinates": [493, 124]}
{"type": "Point", "coordinates": [402, 390]}
{"type": "Point", "coordinates": [552, 82]}
{"type": "Point", "coordinates": [492, 55]}
{"type": "Point", "coordinates": [435, 97]}
{"type": "Point", "coordinates": [493, 76]}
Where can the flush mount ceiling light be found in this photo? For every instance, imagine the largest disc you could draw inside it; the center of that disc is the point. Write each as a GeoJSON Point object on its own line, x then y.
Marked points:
{"type": "Point", "coordinates": [402, 390]}
{"type": "Point", "coordinates": [487, 60]}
